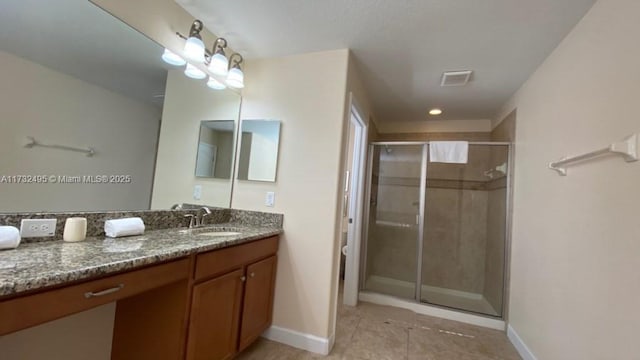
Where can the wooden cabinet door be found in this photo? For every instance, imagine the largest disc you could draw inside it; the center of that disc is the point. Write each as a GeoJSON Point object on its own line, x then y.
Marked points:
{"type": "Point", "coordinates": [215, 317]}
{"type": "Point", "coordinates": [258, 300]}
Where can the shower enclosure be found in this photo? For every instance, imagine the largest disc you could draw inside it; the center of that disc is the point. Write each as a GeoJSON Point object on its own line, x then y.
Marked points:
{"type": "Point", "coordinates": [436, 232]}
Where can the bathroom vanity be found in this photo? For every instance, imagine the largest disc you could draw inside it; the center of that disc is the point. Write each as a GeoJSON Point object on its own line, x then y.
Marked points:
{"type": "Point", "coordinates": [181, 294]}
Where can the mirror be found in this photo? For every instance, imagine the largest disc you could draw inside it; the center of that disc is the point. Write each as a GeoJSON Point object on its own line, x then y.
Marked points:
{"type": "Point", "coordinates": [215, 149]}
{"type": "Point", "coordinates": [75, 77]}
{"type": "Point", "coordinates": [259, 142]}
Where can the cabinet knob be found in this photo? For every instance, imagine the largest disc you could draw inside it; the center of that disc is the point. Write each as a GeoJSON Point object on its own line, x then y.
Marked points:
{"type": "Point", "coordinates": [243, 279]}
{"type": "Point", "coordinates": [252, 274]}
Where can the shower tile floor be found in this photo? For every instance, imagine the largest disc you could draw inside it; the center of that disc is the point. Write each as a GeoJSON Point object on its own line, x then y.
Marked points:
{"type": "Point", "coordinates": [370, 331]}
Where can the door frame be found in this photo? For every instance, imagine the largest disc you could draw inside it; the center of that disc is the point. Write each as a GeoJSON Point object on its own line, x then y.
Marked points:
{"type": "Point", "coordinates": [354, 184]}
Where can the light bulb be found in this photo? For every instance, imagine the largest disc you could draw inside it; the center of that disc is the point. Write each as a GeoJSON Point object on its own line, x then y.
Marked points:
{"type": "Point", "coordinates": [194, 73]}
{"type": "Point", "coordinates": [172, 58]}
{"type": "Point", "coordinates": [194, 49]}
{"type": "Point", "coordinates": [215, 84]}
{"type": "Point", "coordinates": [235, 78]}
{"type": "Point", "coordinates": [435, 112]}
{"type": "Point", "coordinates": [219, 64]}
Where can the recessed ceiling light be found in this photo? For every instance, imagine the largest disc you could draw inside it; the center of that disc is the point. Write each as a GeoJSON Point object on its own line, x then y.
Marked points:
{"type": "Point", "coordinates": [435, 112]}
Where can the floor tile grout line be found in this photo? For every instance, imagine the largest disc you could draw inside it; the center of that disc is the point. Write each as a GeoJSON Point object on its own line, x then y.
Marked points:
{"type": "Point", "coordinates": [406, 356]}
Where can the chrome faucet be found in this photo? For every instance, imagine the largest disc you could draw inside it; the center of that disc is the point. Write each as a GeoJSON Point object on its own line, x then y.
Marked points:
{"type": "Point", "coordinates": [198, 220]}
{"type": "Point", "coordinates": [206, 213]}
{"type": "Point", "coordinates": [192, 219]}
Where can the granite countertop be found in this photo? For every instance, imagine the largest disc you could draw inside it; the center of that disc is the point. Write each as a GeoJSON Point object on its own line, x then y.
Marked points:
{"type": "Point", "coordinates": [42, 264]}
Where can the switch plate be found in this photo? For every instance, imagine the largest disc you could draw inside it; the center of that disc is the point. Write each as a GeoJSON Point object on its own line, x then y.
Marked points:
{"type": "Point", "coordinates": [197, 192]}
{"type": "Point", "coordinates": [37, 227]}
{"type": "Point", "coordinates": [270, 199]}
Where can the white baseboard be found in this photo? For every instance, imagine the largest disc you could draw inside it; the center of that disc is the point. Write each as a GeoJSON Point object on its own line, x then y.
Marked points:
{"type": "Point", "coordinates": [425, 309]}
{"type": "Point", "coordinates": [308, 342]}
{"type": "Point", "coordinates": [517, 342]}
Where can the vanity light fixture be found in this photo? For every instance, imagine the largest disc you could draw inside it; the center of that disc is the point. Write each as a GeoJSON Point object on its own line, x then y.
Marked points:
{"type": "Point", "coordinates": [194, 47]}
{"type": "Point", "coordinates": [235, 78]}
{"type": "Point", "coordinates": [215, 84]}
{"type": "Point", "coordinates": [172, 58]}
{"type": "Point", "coordinates": [194, 73]}
{"type": "Point", "coordinates": [218, 62]}
{"type": "Point", "coordinates": [435, 112]}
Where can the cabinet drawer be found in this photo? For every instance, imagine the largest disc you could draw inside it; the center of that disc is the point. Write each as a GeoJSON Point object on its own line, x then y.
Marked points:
{"type": "Point", "coordinates": [221, 261]}
{"type": "Point", "coordinates": [23, 312]}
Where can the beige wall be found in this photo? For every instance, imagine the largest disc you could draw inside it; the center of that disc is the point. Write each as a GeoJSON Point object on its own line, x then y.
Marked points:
{"type": "Point", "coordinates": [575, 247]}
{"type": "Point", "coordinates": [357, 94]}
{"type": "Point", "coordinates": [306, 190]}
{"type": "Point", "coordinates": [82, 336]}
{"type": "Point", "coordinates": [59, 109]}
{"type": "Point", "coordinates": [187, 103]}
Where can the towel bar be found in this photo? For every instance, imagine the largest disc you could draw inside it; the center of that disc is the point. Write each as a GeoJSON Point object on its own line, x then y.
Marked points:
{"type": "Point", "coordinates": [33, 143]}
{"type": "Point", "coordinates": [628, 148]}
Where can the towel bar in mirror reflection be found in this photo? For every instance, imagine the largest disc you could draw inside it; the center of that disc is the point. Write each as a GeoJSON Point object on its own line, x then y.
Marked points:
{"type": "Point", "coordinates": [32, 142]}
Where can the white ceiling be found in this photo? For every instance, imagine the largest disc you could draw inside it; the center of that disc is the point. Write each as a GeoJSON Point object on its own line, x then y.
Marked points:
{"type": "Point", "coordinates": [403, 46]}
{"type": "Point", "coordinates": [79, 39]}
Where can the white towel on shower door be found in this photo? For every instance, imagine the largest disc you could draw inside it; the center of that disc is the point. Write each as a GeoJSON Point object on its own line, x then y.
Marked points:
{"type": "Point", "coordinates": [453, 152]}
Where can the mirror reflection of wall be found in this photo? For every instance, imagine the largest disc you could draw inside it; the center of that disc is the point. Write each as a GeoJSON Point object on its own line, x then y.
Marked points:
{"type": "Point", "coordinates": [62, 85]}
{"type": "Point", "coordinates": [259, 144]}
{"type": "Point", "coordinates": [215, 149]}
{"type": "Point", "coordinates": [187, 102]}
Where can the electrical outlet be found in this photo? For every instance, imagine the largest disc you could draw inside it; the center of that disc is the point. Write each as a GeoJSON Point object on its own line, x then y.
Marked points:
{"type": "Point", "coordinates": [270, 199]}
{"type": "Point", "coordinates": [197, 192]}
{"type": "Point", "coordinates": [37, 227]}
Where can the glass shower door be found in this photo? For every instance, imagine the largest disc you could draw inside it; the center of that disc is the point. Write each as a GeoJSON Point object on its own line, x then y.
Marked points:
{"type": "Point", "coordinates": [464, 234]}
{"type": "Point", "coordinates": [390, 261]}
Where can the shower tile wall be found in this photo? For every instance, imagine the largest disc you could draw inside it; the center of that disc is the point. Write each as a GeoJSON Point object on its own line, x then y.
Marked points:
{"type": "Point", "coordinates": [494, 263]}
{"type": "Point", "coordinates": [456, 224]}
{"type": "Point", "coordinates": [497, 216]}
{"type": "Point", "coordinates": [455, 240]}
{"type": "Point", "coordinates": [393, 231]}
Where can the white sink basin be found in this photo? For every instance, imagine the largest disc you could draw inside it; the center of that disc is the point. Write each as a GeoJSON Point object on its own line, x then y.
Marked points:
{"type": "Point", "coordinates": [219, 233]}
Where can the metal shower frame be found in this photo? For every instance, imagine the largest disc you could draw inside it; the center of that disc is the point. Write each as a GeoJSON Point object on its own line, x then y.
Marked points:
{"type": "Point", "coordinates": [421, 222]}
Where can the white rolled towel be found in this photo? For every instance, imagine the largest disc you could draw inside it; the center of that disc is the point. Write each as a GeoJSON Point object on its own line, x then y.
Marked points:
{"type": "Point", "coordinates": [124, 227]}
{"type": "Point", "coordinates": [9, 237]}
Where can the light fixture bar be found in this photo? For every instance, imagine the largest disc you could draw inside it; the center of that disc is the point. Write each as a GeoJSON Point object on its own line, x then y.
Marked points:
{"type": "Point", "coordinates": [215, 59]}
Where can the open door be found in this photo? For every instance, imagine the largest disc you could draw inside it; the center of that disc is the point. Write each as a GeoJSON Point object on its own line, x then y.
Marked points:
{"type": "Point", "coordinates": [353, 208]}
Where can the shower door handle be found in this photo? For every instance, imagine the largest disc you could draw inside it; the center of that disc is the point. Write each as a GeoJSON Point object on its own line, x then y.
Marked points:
{"type": "Point", "coordinates": [417, 219]}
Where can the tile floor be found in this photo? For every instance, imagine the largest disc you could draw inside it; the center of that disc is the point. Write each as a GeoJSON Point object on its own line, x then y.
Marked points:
{"type": "Point", "coordinates": [370, 331]}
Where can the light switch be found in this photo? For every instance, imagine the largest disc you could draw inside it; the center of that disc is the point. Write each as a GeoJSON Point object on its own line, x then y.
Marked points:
{"type": "Point", "coordinates": [270, 199]}
{"type": "Point", "coordinates": [197, 192]}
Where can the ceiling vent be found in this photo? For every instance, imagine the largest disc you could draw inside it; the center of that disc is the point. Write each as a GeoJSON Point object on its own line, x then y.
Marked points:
{"type": "Point", "coordinates": [456, 78]}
